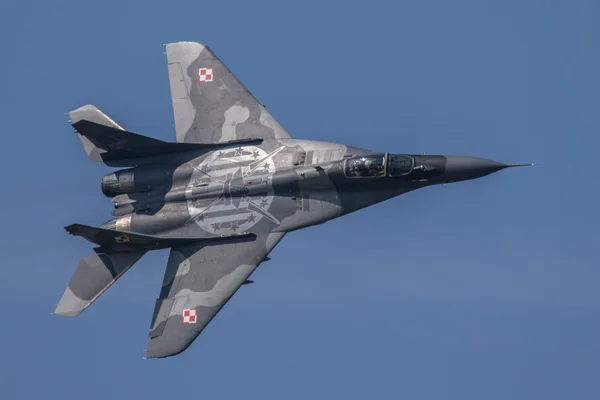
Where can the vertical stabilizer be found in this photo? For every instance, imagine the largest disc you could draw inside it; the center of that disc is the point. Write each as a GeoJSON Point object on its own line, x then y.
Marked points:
{"type": "Point", "coordinates": [93, 114]}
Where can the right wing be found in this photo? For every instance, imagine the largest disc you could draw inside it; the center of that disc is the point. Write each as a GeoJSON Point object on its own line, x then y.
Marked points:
{"type": "Point", "coordinates": [209, 103]}
{"type": "Point", "coordinates": [198, 281]}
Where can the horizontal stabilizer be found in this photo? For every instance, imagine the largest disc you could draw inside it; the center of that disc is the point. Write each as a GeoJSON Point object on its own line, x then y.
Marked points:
{"type": "Point", "coordinates": [113, 144]}
{"type": "Point", "coordinates": [120, 241]}
{"type": "Point", "coordinates": [93, 276]}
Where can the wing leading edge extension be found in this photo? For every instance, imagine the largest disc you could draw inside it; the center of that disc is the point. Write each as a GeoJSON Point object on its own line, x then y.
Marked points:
{"type": "Point", "coordinates": [198, 281]}
{"type": "Point", "coordinates": [209, 103]}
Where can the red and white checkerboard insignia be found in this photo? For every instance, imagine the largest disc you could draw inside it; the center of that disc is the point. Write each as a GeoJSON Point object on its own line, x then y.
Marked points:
{"type": "Point", "coordinates": [189, 316]}
{"type": "Point", "coordinates": [205, 75]}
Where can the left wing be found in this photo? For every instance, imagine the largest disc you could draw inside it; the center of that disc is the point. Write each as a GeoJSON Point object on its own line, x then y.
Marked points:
{"type": "Point", "coordinates": [210, 104]}
{"type": "Point", "coordinates": [198, 281]}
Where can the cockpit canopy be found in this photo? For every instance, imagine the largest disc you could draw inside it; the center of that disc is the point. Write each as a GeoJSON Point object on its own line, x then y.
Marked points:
{"type": "Point", "coordinates": [378, 165]}
{"type": "Point", "coordinates": [365, 166]}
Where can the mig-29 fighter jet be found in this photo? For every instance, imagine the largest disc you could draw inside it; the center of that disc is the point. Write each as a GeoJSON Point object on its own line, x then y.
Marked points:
{"type": "Point", "coordinates": [223, 195]}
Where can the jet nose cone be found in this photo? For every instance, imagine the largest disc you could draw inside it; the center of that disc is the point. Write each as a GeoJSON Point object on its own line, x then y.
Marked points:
{"type": "Point", "coordinates": [459, 168]}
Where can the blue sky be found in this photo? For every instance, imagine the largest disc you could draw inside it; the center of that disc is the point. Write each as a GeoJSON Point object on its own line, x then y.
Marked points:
{"type": "Point", "coordinates": [483, 289]}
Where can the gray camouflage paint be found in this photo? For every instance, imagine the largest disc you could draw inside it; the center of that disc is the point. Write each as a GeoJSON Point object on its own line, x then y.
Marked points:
{"type": "Point", "coordinates": [93, 276]}
{"type": "Point", "coordinates": [183, 288]}
{"type": "Point", "coordinates": [215, 111]}
{"type": "Point", "coordinates": [212, 194]}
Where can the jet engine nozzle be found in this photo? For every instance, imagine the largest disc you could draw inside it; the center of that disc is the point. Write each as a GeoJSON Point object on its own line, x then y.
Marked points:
{"type": "Point", "coordinates": [119, 182]}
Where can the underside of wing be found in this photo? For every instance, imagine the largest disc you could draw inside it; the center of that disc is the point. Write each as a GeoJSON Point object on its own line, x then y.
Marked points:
{"type": "Point", "coordinates": [198, 281]}
{"type": "Point", "coordinates": [209, 103]}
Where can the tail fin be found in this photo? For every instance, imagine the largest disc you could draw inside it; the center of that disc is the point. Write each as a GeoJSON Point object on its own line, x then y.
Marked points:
{"type": "Point", "coordinates": [104, 140]}
{"type": "Point", "coordinates": [93, 114]}
{"type": "Point", "coordinates": [93, 276]}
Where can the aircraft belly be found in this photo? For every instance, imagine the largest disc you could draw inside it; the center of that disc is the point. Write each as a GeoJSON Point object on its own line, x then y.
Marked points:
{"type": "Point", "coordinates": [279, 185]}
{"type": "Point", "coordinates": [311, 209]}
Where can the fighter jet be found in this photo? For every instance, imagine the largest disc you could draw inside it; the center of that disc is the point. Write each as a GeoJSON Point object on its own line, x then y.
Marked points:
{"type": "Point", "coordinates": [223, 194]}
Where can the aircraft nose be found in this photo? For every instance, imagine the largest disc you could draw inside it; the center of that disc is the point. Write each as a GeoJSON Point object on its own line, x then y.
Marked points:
{"type": "Point", "coordinates": [460, 168]}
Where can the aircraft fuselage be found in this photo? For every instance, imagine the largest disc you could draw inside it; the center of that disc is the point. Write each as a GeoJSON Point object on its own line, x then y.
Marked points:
{"type": "Point", "coordinates": [277, 186]}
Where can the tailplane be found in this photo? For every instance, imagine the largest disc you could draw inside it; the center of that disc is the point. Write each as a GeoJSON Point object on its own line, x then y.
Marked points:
{"type": "Point", "coordinates": [93, 276]}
